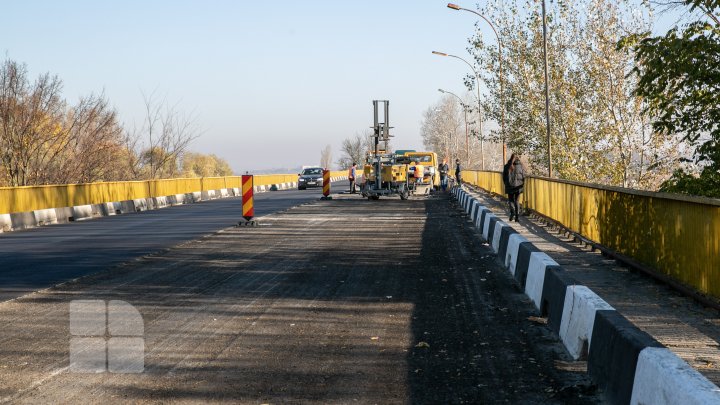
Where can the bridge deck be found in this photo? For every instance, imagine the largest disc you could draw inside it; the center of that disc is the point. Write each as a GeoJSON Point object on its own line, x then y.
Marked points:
{"type": "Point", "coordinates": [342, 301]}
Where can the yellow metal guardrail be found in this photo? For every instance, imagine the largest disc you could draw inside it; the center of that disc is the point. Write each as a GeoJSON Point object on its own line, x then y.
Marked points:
{"type": "Point", "coordinates": [676, 235]}
{"type": "Point", "coordinates": [30, 198]}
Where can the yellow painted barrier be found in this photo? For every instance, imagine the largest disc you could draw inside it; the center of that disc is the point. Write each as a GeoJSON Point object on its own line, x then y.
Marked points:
{"type": "Point", "coordinates": [23, 199]}
{"type": "Point", "coordinates": [676, 235]}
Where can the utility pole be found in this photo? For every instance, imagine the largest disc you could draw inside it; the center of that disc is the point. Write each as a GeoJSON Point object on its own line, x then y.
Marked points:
{"type": "Point", "coordinates": [547, 91]}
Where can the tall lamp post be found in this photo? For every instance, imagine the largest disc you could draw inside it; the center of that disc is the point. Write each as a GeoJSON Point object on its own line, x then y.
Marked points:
{"type": "Point", "coordinates": [547, 91]}
{"type": "Point", "coordinates": [500, 62]}
{"type": "Point", "coordinates": [467, 136]}
{"type": "Point", "coordinates": [477, 78]}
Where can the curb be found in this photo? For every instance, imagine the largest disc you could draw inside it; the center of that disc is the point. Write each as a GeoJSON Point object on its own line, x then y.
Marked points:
{"type": "Point", "coordinates": [627, 363]}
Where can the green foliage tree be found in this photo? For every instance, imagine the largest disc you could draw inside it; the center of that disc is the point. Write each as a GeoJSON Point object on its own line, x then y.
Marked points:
{"type": "Point", "coordinates": [600, 131]}
{"type": "Point", "coordinates": [679, 76]}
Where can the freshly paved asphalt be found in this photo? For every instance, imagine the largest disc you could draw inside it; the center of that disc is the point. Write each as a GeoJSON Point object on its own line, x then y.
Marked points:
{"type": "Point", "coordinates": [39, 258]}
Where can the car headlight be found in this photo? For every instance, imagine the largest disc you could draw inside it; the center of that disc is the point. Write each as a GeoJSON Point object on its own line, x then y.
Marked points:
{"type": "Point", "coordinates": [301, 179]}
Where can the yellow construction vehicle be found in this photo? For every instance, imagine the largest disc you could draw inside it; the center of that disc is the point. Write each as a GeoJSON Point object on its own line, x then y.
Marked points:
{"type": "Point", "coordinates": [396, 170]}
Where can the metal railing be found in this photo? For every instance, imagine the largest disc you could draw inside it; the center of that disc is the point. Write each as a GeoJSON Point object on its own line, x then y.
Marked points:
{"type": "Point", "coordinates": [677, 236]}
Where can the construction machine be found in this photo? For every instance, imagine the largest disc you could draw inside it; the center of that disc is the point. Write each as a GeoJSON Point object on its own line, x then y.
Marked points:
{"type": "Point", "coordinates": [390, 174]}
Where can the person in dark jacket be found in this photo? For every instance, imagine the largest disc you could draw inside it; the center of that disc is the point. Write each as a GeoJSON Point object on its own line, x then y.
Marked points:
{"type": "Point", "coordinates": [458, 173]}
{"type": "Point", "coordinates": [514, 179]}
{"type": "Point", "coordinates": [444, 169]}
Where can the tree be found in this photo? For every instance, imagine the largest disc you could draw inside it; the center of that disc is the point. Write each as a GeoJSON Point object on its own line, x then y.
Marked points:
{"type": "Point", "coordinates": [441, 128]}
{"type": "Point", "coordinates": [600, 131]}
{"type": "Point", "coordinates": [354, 149]}
{"type": "Point", "coordinates": [164, 135]}
{"type": "Point", "coordinates": [199, 165]}
{"type": "Point", "coordinates": [679, 76]}
{"type": "Point", "coordinates": [326, 157]}
{"type": "Point", "coordinates": [42, 140]}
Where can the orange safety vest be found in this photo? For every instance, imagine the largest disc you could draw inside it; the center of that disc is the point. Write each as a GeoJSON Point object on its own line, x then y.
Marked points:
{"type": "Point", "coordinates": [419, 171]}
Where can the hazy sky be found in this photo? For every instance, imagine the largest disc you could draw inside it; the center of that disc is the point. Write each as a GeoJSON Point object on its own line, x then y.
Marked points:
{"type": "Point", "coordinates": [270, 82]}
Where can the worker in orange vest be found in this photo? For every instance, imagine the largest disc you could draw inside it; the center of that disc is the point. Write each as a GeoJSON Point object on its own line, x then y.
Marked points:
{"type": "Point", "coordinates": [419, 172]}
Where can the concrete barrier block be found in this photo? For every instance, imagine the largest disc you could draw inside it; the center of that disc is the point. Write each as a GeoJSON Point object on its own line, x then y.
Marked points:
{"type": "Point", "coordinates": [505, 234]}
{"type": "Point", "coordinates": [488, 225]}
{"type": "Point", "coordinates": [127, 206]}
{"type": "Point", "coordinates": [497, 231]}
{"type": "Point", "coordinates": [482, 217]}
{"type": "Point", "coordinates": [467, 204]}
{"type": "Point", "coordinates": [82, 212]}
{"type": "Point", "coordinates": [207, 195]}
{"type": "Point", "coordinates": [578, 319]}
{"type": "Point", "coordinates": [176, 199]}
{"type": "Point", "coordinates": [510, 254]}
{"type": "Point", "coordinates": [194, 197]}
{"type": "Point", "coordinates": [109, 208]}
{"type": "Point", "coordinates": [22, 220]}
{"type": "Point", "coordinates": [662, 378]}
{"type": "Point", "coordinates": [140, 204]}
{"type": "Point", "coordinates": [5, 223]}
{"type": "Point", "coordinates": [224, 193]}
{"type": "Point", "coordinates": [539, 262]}
{"type": "Point", "coordinates": [45, 217]}
{"type": "Point", "coordinates": [117, 207]}
{"type": "Point", "coordinates": [555, 286]}
{"type": "Point", "coordinates": [63, 214]}
{"type": "Point", "coordinates": [525, 250]}
{"type": "Point", "coordinates": [160, 202]}
{"type": "Point", "coordinates": [476, 213]}
{"type": "Point", "coordinates": [474, 204]}
{"type": "Point", "coordinates": [613, 355]}
{"type": "Point", "coordinates": [99, 210]}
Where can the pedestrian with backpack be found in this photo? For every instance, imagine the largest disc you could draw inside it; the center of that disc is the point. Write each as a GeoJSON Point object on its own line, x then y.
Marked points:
{"type": "Point", "coordinates": [514, 180]}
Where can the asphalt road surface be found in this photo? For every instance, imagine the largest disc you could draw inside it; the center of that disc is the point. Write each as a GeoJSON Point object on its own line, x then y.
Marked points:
{"type": "Point", "coordinates": [342, 301]}
{"type": "Point", "coordinates": [42, 257]}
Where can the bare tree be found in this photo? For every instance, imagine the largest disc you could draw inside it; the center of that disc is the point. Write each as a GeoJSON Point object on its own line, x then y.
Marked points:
{"type": "Point", "coordinates": [163, 137]}
{"type": "Point", "coordinates": [29, 138]}
{"type": "Point", "coordinates": [326, 157]}
{"type": "Point", "coordinates": [355, 148]}
{"type": "Point", "coordinates": [95, 149]}
{"type": "Point", "coordinates": [42, 140]}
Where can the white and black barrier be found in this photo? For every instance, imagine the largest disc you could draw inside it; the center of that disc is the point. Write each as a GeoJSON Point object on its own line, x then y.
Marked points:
{"type": "Point", "coordinates": [627, 363]}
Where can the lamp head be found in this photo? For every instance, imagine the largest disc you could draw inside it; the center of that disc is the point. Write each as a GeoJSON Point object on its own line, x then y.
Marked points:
{"type": "Point", "coordinates": [453, 6]}
{"type": "Point", "coordinates": [439, 53]}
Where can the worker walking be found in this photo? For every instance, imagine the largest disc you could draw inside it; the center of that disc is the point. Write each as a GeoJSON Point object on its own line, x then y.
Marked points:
{"type": "Point", "coordinates": [351, 176]}
{"type": "Point", "coordinates": [458, 173]}
{"type": "Point", "coordinates": [444, 169]}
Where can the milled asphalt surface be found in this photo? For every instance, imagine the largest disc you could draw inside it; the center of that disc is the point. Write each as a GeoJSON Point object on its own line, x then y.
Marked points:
{"type": "Point", "coordinates": [342, 301]}
{"type": "Point", "coordinates": [683, 325]}
{"type": "Point", "coordinates": [42, 257]}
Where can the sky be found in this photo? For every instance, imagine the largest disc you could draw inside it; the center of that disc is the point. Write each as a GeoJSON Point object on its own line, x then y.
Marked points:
{"type": "Point", "coordinates": [270, 83]}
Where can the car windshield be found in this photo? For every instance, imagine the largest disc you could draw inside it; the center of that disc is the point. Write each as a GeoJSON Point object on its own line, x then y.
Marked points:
{"type": "Point", "coordinates": [314, 170]}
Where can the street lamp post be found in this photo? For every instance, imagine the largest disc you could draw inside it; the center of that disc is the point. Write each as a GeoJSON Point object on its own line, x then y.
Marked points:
{"type": "Point", "coordinates": [467, 136]}
{"type": "Point", "coordinates": [547, 91]}
{"type": "Point", "coordinates": [477, 78]}
{"type": "Point", "coordinates": [500, 62]}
